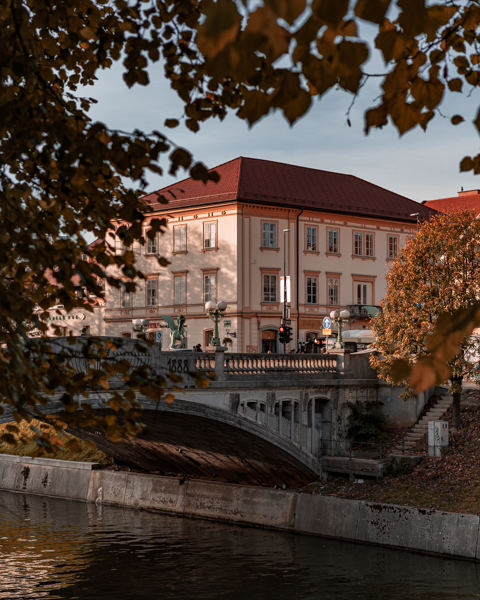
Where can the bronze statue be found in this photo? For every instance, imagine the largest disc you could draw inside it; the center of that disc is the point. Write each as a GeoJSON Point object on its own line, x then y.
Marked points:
{"type": "Point", "coordinates": [177, 332]}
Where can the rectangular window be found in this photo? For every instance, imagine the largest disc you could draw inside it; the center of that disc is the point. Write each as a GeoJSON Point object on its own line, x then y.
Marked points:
{"type": "Point", "coordinates": [269, 235]}
{"type": "Point", "coordinates": [333, 285]}
{"type": "Point", "coordinates": [361, 293]}
{"type": "Point", "coordinates": [369, 250]}
{"type": "Point", "coordinates": [209, 235]}
{"type": "Point", "coordinates": [151, 292]}
{"type": "Point", "coordinates": [392, 246]}
{"type": "Point", "coordinates": [180, 289]}
{"type": "Point", "coordinates": [209, 283]}
{"type": "Point", "coordinates": [180, 238]}
{"type": "Point", "coordinates": [125, 298]}
{"type": "Point", "coordinates": [358, 244]}
{"type": "Point", "coordinates": [333, 241]}
{"type": "Point", "coordinates": [269, 288]}
{"type": "Point", "coordinates": [312, 290]}
{"type": "Point", "coordinates": [311, 235]}
{"type": "Point", "coordinates": [152, 247]}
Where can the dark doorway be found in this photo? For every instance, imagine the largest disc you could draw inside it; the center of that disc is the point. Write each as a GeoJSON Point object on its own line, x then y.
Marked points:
{"type": "Point", "coordinates": [269, 341]}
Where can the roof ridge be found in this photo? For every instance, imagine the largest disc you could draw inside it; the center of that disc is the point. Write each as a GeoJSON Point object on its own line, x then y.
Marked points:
{"type": "Point", "coordinates": [176, 183]}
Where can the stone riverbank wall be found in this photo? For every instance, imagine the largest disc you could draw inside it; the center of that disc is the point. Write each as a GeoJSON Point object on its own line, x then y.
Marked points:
{"type": "Point", "coordinates": [428, 531]}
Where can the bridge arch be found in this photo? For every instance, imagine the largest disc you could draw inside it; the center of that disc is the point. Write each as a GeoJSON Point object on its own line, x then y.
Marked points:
{"type": "Point", "coordinates": [198, 441]}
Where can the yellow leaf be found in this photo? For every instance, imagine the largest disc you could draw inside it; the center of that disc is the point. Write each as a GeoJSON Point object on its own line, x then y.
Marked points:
{"type": "Point", "coordinates": [264, 21]}
{"type": "Point", "coordinates": [455, 85]}
{"type": "Point", "coordinates": [289, 10]}
{"type": "Point", "coordinates": [169, 398]}
{"type": "Point", "coordinates": [78, 178]}
{"type": "Point", "coordinates": [87, 33]}
{"type": "Point", "coordinates": [104, 384]}
{"type": "Point", "coordinates": [372, 10]}
{"type": "Point", "coordinates": [400, 370]}
{"type": "Point", "coordinates": [429, 93]}
{"type": "Point", "coordinates": [220, 27]}
{"type": "Point", "coordinates": [331, 13]}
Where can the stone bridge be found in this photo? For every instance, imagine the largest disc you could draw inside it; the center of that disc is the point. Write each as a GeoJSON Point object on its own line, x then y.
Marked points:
{"type": "Point", "coordinates": [267, 419]}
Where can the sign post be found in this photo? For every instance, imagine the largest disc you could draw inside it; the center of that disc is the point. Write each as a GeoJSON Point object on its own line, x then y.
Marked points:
{"type": "Point", "coordinates": [326, 331]}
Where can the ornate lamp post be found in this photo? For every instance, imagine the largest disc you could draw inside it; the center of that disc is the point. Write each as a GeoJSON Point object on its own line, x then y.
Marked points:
{"type": "Point", "coordinates": [340, 317]}
{"type": "Point", "coordinates": [140, 325]}
{"type": "Point", "coordinates": [215, 312]}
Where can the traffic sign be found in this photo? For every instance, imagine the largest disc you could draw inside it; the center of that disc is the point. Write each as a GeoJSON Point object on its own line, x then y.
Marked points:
{"type": "Point", "coordinates": [326, 331]}
{"type": "Point", "coordinates": [327, 321]}
{"type": "Point", "coordinates": [158, 336]}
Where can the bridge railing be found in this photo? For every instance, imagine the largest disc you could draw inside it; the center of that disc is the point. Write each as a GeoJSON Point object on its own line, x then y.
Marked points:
{"type": "Point", "coordinates": [224, 364]}
{"type": "Point", "coordinates": [253, 364]}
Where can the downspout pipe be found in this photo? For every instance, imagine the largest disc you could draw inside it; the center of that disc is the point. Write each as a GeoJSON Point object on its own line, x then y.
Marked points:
{"type": "Point", "coordinates": [298, 278]}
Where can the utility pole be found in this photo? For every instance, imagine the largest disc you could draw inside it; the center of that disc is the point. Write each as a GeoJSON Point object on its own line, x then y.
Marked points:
{"type": "Point", "coordinates": [285, 231]}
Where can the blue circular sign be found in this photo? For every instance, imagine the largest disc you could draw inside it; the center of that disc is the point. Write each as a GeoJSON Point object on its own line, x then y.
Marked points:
{"type": "Point", "coordinates": [327, 322]}
{"type": "Point", "coordinates": [158, 335]}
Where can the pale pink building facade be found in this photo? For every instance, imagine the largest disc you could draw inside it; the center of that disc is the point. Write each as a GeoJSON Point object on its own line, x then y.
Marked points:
{"type": "Point", "coordinates": [226, 241]}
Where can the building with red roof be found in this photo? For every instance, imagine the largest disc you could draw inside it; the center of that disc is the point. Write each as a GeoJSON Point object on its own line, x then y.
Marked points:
{"type": "Point", "coordinates": [334, 235]}
{"type": "Point", "coordinates": [468, 200]}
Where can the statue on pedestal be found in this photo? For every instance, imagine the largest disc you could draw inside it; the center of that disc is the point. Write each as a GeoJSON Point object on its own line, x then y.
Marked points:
{"type": "Point", "coordinates": [177, 332]}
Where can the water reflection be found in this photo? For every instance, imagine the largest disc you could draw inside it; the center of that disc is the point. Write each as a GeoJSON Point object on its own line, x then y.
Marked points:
{"type": "Point", "coordinates": [61, 549]}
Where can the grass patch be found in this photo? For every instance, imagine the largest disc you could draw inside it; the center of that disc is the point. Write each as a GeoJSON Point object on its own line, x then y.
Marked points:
{"type": "Point", "coordinates": [86, 452]}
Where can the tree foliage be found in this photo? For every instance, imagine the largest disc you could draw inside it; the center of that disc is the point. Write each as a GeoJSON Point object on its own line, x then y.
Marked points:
{"type": "Point", "coordinates": [431, 307]}
{"type": "Point", "coordinates": [366, 423]}
{"type": "Point", "coordinates": [63, 174]}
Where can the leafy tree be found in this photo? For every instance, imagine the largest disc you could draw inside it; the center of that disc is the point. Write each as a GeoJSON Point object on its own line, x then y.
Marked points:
{"type": "Point", "coordinates": [435, 281]}
{"type": "Point", "coordinates": [62, 174]}
{"type": "Point", "coordinates": [366, 423]}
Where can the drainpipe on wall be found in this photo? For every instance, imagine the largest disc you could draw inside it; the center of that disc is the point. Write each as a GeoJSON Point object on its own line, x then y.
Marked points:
{"type": "Point", "coordinates": [298, 260]}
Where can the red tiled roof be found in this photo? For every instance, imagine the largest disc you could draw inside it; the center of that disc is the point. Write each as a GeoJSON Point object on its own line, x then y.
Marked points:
{"type": "Point", "coordinates": [267, 182]}
{"type": "Point", "coordinates": [468, 201]}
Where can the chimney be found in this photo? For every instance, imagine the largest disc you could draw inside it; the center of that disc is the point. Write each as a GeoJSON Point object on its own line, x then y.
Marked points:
{"type": "Point", "coordinates": [468, 192]}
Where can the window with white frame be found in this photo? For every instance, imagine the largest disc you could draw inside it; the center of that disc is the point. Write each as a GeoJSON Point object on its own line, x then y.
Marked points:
{"type": "Point", "coordinates": [311, 239]}
{"type": "Point", "coordinates": [151, 292]}
{"type": "Point", "coordinates": [333, 293]}
{"type": "Point", "coordinates": [180, 238]}
{"type": "Point", "coordinates": [358, 243]}
{"type": "Point", "coordinates": [210, 235]}
{"type": "Point", "coordinates": [361, 293]}
{"type": "Point", "coordinates": [125, 298]}
{"type": "Point", "coordinates": [333, 241]}
{"type": "Point", "coordinates": [392, 246]}
{"type": "Point", "coordinates": [369, 249]}
{"type": "Point", "coordinates": [269, 288]}
{"type": "Point", "coordinates": [312, 290]}
{"type": "Point", "coordinates": [363, 244]}
{"type": "Point", "coordinates": [209, 287]}
{"type": "Point", "coordinates": [269, 235]}
{"type": "Point", "coordinates": [152, 246]}
{"type": "Point", "coordinates": [180, 289]}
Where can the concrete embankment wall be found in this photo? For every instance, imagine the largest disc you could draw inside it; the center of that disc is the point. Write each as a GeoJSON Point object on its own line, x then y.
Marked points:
{"type": "Point", "coordinates": [450, 534]}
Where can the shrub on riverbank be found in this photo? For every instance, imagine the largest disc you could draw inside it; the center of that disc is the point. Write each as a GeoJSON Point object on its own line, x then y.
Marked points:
{"type": "Point", "coordinates": [86, 452]}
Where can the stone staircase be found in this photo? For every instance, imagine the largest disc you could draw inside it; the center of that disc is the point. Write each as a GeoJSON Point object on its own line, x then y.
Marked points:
{"type": "Point", "coordinates": [420, 428]}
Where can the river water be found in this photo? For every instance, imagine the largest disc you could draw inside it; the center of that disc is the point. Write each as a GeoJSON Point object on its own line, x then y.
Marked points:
{"type": "Point", "coordinates": [53, 548]}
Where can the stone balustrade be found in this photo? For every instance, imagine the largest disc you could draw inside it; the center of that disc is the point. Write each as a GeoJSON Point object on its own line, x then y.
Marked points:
{"type": "Point", "coordinates": [224, 364]}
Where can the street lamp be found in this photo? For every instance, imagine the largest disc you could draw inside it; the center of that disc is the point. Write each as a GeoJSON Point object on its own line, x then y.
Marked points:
{"type": "Point", "coordinates": [285, 231]}
{"type": "Point", "coordinates": [340, 317]}
{"type": "Point", "coordinates": [215, 312]}
{"type": "Point", "coordinates": [140, 325]}
{"type": "Point", "coordinates": [415, 215]}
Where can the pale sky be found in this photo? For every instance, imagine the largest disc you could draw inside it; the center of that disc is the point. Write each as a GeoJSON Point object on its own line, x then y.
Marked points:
{"type": "Point", "coordinates": [421, 166]}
